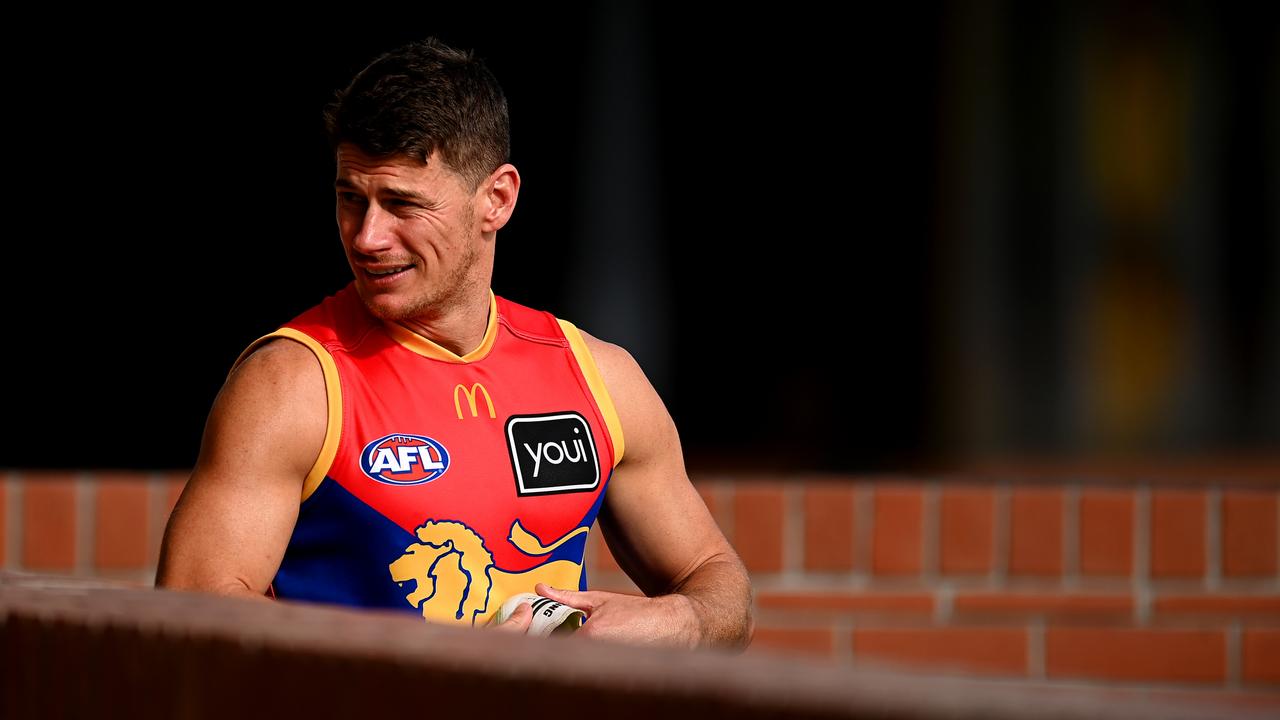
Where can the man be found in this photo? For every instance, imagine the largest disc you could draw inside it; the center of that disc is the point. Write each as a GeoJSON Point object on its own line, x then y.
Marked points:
{"type": "Point", "coordinates": [415, 441]}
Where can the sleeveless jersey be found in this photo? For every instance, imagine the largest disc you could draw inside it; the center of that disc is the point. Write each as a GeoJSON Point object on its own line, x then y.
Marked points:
{"type": "Point", "coordinates": [447, 483]}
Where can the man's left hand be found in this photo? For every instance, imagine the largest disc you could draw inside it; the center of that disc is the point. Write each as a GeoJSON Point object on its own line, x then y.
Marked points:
{"type": "Point", "coordinates": [663, 620]}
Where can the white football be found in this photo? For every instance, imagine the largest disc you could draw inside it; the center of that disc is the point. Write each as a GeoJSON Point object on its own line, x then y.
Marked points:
{"type": "Point", "coordinates": [549, 616]}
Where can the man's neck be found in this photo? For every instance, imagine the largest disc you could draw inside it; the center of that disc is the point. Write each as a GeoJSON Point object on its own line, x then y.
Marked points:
{"type": "Point", "coordinates": [460, 329]}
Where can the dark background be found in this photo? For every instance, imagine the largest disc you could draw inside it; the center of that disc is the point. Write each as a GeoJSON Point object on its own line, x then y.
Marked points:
{"type": "Point", "coordinates": [909, 238]}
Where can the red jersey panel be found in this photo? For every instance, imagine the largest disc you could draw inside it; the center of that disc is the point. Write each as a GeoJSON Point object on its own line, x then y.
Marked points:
{"type": "Point", "coordinates": [448, 484]}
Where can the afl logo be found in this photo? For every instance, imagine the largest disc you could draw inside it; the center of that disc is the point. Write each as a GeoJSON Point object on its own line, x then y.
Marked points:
{"type": "Point", "coordinates": [404, 459]}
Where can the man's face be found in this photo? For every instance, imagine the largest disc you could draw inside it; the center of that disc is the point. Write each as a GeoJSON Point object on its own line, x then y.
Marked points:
{"type": "Point", "coordinates": [409, 230]}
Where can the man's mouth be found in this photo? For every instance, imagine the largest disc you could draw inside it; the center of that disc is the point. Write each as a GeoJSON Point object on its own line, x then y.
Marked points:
{"type": "Point", "coordinates": [387, 271]}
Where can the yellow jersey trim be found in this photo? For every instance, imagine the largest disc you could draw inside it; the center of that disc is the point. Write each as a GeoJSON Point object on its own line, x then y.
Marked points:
{"type": "Point", "coordinates": [596, 383]}
{"type": "Point", "coordinates": [426, 348]}
{"type": "Point", "coordinates": [333, 391]}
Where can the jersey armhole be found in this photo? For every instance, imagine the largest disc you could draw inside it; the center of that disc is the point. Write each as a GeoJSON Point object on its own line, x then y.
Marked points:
{"type": "Point", "coordinates": [596, 383]}
{"type": "Point", "coordinates": [333, 393]}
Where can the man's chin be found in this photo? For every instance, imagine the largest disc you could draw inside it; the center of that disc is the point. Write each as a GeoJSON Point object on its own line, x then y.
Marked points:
{"type": "Point", "coordinates": [384, 306]}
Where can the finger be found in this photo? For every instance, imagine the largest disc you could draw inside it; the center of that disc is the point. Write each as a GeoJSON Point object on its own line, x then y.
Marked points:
{"type": "Point", "coordinates": [519, 620]}
{"type": "Point", "coordinates": [576, 599]}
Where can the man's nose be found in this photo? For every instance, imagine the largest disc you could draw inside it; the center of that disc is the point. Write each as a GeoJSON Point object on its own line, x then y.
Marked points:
{"type": "Point", "coordinates": [375, 232]}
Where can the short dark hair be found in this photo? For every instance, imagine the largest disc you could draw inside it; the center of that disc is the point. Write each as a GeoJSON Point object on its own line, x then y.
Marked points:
{"type": "Point", "coordinates": [423, 97]}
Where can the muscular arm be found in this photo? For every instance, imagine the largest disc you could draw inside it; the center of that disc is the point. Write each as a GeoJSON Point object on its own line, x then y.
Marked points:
{"type": "Point", "coordinates": [230, 528]}
{"type": "Point", "coordinates": [660, 531]}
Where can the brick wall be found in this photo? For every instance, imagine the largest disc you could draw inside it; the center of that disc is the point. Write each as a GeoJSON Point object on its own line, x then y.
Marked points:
{"type": "Point", "coordinates": [1147, 583]}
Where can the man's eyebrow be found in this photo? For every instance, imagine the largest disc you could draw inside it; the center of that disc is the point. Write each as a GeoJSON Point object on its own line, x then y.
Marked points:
{"type": "Point", "coordinates": [344, 184]}
{"type": "Point", "coordinates": [406, 195]}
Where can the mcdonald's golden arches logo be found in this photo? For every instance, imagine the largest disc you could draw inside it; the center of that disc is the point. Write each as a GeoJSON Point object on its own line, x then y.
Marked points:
{"type": "Point", "coordinates": [476, 388]}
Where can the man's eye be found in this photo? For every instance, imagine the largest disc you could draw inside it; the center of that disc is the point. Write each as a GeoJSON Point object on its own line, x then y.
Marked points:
{"type": "Point", "coordinates": [349, 198]}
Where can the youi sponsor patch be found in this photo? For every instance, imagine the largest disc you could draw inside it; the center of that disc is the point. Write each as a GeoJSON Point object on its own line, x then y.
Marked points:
{"type": "Point", "coordinates": [552, 453]}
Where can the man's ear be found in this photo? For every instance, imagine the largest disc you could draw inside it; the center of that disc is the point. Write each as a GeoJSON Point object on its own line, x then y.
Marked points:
{"type": "Point", "coordinates": [497, 197]}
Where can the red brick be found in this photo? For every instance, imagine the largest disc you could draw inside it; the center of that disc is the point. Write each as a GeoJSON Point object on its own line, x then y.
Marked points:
{"type": "Point", "coordinates": [1106, 532]}
{"type": "Point", "coordinates": [1248, 533]}
{"type": "Point", "coordinates": [967, 530]}
{"type": "Point", "coordinates": [601, 559]}
{"type": "Point", "coordinates": [603, 572]}
{"type": "Point", "coordinates": [49, 521]}
{"type": "Point", "coordinates": [1219, 605]}
{"type": "Point", "coordinates": [174, 484]}
{"type": "Point", "coordinates": [1177, 533]}
{"type": "Point", "coordinates": [810, 642]}
{"type": "Point", "coordinates": [612, 582]}
{"type": "Point", "coordinates": [997, 651]}
{"type": "Point", "coordinates": [846, 602]}
{"type": "Point", "coordinates": [1130, 654]}
{"type": "Point", "coordinates": [757, 526]}
{"type": "Point", "coordinates": [1261, 649]}
{"type": "Point", "coordinates": [898, 537]}
{"type": "Point", "coordinates": [1035, 532]}
{"type": "Point", "coordinates": [828, 527]}
{"type": "Point", "coordinates": [707, 493]}
{"type": "Point", "coordinates": [1053, 605]}
{"type": "Point", "coordinates": [120, 538]}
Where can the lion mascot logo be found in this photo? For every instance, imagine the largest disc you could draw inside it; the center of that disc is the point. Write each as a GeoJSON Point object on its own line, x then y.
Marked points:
{"type": "Point", "coordinates": [454, 576]}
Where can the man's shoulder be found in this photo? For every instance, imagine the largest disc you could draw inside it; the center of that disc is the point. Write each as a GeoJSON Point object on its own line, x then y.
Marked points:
{"type": "Point", "coordinates": [526, 321]}
{"type": "Point", "coordinates": [614, 361]}
{"type": "Point", "coordinates": [281, 371]}
{"type": "Point", "coordinates": [543, 323]}
{"type": "Point", "coordinates": [339, 320]}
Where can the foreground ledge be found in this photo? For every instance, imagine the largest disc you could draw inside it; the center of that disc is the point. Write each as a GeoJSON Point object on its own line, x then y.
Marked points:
{"type": "Point", "coordinates": [74, 647]}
